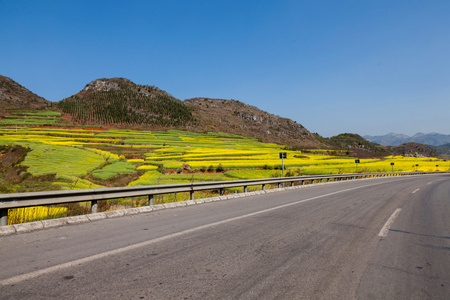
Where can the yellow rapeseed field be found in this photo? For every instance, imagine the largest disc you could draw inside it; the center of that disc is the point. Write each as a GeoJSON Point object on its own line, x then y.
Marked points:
{"type": "Point", "coordinates": [28, 214]}
{"type": "Point", "coordinates": [89, 158]}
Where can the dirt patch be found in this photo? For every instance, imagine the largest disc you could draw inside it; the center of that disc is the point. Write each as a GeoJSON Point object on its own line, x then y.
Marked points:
{"type": "Point", "coordinates": [119, 180]}
{"type": "Point", "coordinates": [11, 157]}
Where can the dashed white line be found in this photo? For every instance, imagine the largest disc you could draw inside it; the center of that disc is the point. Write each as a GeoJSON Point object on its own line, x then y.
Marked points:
{"type": "Point", "coordinates": [384, 231]}
{"type": "Point", "coordinates": [415, 191]}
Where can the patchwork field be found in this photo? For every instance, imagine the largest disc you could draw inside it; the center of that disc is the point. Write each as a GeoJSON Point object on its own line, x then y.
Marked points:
{"type": "Point", "coordinates": [70, 157]}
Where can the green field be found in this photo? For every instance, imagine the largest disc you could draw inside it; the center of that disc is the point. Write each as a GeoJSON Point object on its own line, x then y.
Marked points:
{"type": "Point", "coordinates": [89, 157]}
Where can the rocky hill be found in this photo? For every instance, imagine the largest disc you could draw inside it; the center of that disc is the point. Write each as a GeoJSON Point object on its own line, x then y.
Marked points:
{"type": "Point", "coordinates": [14, 96]}
{"type": "Point", "coordinates": [413, 149]}
{"type": "Point", "coordinates": [357, 146]}
{"type": "Point", "coordinates": [352, 141]}
{"type": "Point", "coordinates": [235, 117]}
{"type": "Point", "coordinates": [120, 102]}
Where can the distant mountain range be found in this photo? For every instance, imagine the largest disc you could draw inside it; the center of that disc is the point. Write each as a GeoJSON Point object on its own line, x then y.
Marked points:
{"type": "Point", "coordinates": [395, 139]}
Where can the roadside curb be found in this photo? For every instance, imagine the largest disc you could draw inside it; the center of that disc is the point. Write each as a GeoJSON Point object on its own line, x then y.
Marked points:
{"type": "Point", "coordinates": [52, 223]}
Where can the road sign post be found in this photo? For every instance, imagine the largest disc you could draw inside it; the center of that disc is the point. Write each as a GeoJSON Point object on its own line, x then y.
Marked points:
{"type": "Point", "coordinates": [392, 165]}
{"type": "Point", "coordinates": [283, 155]}
{"type": "Point", "coordinates": [356, 162]}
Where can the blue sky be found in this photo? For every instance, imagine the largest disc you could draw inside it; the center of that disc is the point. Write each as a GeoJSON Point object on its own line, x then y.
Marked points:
{"type": "Point", "coordinates": [364, 66]}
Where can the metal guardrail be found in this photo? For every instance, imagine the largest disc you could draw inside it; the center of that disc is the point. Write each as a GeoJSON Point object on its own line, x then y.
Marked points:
{"type": "Point", "coordinates": [20, 200]}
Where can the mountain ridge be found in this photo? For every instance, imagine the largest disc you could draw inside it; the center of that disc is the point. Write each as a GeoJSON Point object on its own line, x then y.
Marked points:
{"type": "Point", "coordinates": [233, 116]}
{"type": "Point", "coordinates": [119, 102]}
{"type": "Point", "coordinates": [395, 139]}
{"type": "Point", "coordinates": [14, 96]}
{"type": "Point", "coordinates": [102, 102]}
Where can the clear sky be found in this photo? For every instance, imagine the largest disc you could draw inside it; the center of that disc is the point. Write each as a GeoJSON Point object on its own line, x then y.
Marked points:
{"type": "Point", "coordinates": [363, 66]}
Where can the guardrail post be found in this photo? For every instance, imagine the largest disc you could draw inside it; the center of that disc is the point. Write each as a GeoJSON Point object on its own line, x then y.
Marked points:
{"type": "Point", "coordinates": [221, 191]}
{"type": "Point", "coordinates": [94, 206]}
{"type": "Point", "coordinates": [279, 184]}
{"type": "Point", "coordinates": [150, 200]}
{"type": "Point", "coordinates": [245, 189]}
{"type": "Point", "coordinates": [192, 195]}
{"type": "Point", "coordinates": [302, 182]}
{"type": "Point", "coordinates": [3, 217]}
{"type": "Point", "coordinates": [263, 187]}
{"type": "Point", "coordinates": [292, 183]}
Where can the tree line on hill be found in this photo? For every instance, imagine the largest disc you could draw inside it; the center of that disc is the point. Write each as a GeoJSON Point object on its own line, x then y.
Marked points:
{"type": "Point", "coordinates": [126, 108]}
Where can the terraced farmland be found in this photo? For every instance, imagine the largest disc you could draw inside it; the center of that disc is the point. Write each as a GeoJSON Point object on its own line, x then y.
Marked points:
{"type": "Point", "coordinates": [69, 157]}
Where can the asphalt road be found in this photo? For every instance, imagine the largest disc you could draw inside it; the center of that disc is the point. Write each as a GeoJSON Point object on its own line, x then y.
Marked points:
{"type": "Point", "coordinates": [385, 238]}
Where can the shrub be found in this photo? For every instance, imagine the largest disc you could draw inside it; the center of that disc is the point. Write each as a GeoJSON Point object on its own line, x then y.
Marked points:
{"type": "Point", "coordinates": [161, 169]}
{"type": "Point", "coordinates": [220, 168]}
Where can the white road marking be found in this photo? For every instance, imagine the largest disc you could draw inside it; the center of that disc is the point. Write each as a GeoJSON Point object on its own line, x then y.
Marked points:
{"type": "Point", "coordinates": [26, 276]}
{"type": "Point", "coordinates": [384, 231]}
{"type": "Point", "coordinates": [415, 191]}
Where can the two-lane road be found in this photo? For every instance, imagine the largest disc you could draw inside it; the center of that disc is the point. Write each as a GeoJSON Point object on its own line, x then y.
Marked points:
{"type": "Point", "coordinates": [385, 238]}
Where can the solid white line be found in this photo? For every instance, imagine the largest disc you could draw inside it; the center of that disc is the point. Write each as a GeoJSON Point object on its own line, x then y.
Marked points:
{"type": "Point", "coordinates": [415, 191]}
{"type": "Point", "coordinates": [26, 276]}
{"type": "Point", "coordinates": [384, 231]}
